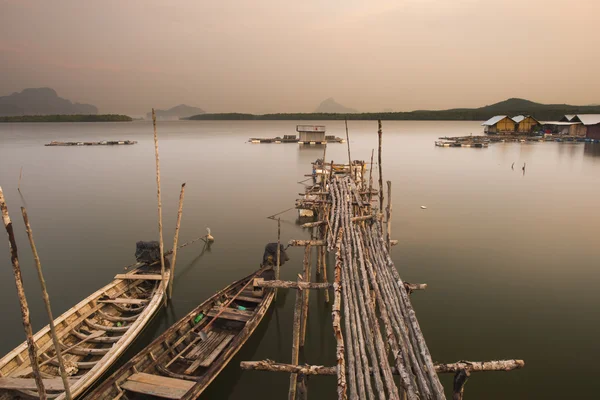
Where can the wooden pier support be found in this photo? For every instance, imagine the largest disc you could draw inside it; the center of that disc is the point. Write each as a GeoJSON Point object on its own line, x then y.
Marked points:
{"type": "Point", "coordinates": [175, 240]}
{"type": "Point", "coordinates": [388, 212]}
{"type": "Point", "coordinates": [14, 258]}
{"type": "Point", "coordinates": [305, 293]}
{"type": "Point", "coordinates": [295, 341]}
{"type": "Point", "coordinates": [277, 267]}
{"type": "Point", "coordinates": [46, 298]}
{"type": "Point", "coordinates": [379, 136]}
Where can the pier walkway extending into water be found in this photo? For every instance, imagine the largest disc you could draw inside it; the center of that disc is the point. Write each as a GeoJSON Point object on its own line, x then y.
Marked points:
{"type": "Point", "coordinates": [381, 351]}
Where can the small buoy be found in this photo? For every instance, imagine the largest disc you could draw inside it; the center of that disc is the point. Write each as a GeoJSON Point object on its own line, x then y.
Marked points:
{"type": "Point", "coordinates": [423, 207]}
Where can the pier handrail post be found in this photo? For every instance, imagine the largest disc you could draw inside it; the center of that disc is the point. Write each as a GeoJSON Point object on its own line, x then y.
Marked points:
{"type": "Point", "coordinates": [160, 227]}
{"type": "Point", "coordinates": [179, 212]}
{"type": "Point", "coordinates": [46, 298]}
{"type": "Point", "coordinates": [14, 258]}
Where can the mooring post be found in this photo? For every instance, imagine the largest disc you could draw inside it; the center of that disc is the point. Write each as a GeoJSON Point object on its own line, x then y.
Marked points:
{"type": "Point", "coordinates": [295, 340]}
{"type": "Point", "coordinates": [160, 227]}
{"type": "Point", "coordinates": [14, 258]}
{"type": "Point", "coordinates": [278, 254]}
{"type": "Point", "coordinates": [371, 177]}
{"type": "Point", "coordinates": [460, 378]}
{"type": "Point", "coordinates": [388, 212]}
{"type": "Point", "coordinates": [46, 298]}
{"type": "Point", "coordinates": [379, 135]}
{"type": "Point", "coordinates": [305, 298]}
{"type": "Point", "coordinates": [176, 239]}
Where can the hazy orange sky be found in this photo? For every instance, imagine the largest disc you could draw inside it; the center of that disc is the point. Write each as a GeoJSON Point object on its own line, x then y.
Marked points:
{"type": "Point", "coordinates": [281, 56]}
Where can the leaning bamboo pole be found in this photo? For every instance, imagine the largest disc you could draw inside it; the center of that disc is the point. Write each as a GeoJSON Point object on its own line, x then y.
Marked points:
{"type": "Point", "coordinates": [379, 136]}
{"type": "Point", "coordinates": [160, 226]}
{"type": "Point", "coordinates": [278, 254]}
{"type": "Point", "coordinates": [46, 298]}
{"type": "Point", "coordinates": [336, 317]}
{"type": "Point", "coordinates": [20, 175]}
{"type": "Point", "coordinates": [175, 240]}
{"type": "Point", "coordinates": [305, 293]}
{"type": "Point", "coordinates": [14, 258]}
{"type": "Point", "coordinates": [388, 212]}
{"type": "Point", "coordinates": [348, 143]}
{"type": "Point", "coordinates": [371, 177]}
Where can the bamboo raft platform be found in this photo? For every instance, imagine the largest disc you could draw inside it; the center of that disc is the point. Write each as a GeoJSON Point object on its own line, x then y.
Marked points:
{"type": "Point", "coordinates": [294, 139]}
{"type": "Point", "coordinates": [101, 143]}
{"type": "Point", "coordinates": [381, 351]}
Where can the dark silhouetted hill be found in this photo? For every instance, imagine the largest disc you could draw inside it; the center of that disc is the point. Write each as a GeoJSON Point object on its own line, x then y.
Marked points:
{"type": "Point", "coordinates": [41, 101]}
{"type": "Point", "coordinates": [180, 111]}
{"type": "Point", "coordinates": [331, 106]}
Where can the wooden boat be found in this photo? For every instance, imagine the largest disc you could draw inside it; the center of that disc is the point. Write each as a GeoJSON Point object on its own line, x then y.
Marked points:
{"type": "Point", "coordinates": [94, 334]}
{"type": "Point", "coordinates": [182, 362]}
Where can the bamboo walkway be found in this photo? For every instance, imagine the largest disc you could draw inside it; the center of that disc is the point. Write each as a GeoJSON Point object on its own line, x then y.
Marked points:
{"type": "Point", "coordinates": [381, 352]}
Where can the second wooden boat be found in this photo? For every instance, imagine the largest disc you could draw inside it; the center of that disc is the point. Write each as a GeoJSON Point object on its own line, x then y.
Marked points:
{"type": "Point", "coordinates": [185, 359]}
{"type": "Point", "coordinates": [93, 334]}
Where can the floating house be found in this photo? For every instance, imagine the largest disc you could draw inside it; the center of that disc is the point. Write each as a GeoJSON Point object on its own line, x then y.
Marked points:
{"type": "Point", "coordinates": [525, 123]}
{"type": "Point", "coordinates": [583, 125]}
{"type": "Point", "coordinates": [311, 134]}
{"type": "Point", "coordinates": [499, 124]}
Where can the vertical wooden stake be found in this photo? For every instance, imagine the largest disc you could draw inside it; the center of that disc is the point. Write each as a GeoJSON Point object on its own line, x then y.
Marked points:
{"type": "Point", "coordinates": [160, 227]}
{"type": "Point", "coordinates": [295, 341]}
{"type": "Point", "coordinates": [278, 254]}
{"type": "Point", "coordinates": [46, 298]}
{"type": "Point", "coordinates": [20, 175]}
{"type": "Point", "coordinates": [324, 270]}
{"type": "Point", "coordinates": [371, 177]}
{"type": "Point", "coordinates": [389, 216]}
{"type": "Point", "coordinates": [14, 258]}
{"type": "Point", "coordinates": [323, 177]}
{"type": "Point", "coordinates": [179, 211]}
{"type": "Point", "coordinates": [307, 268]}
{"type": "Point", "coordinates": [348, 142]}
{"type": "Point", "coordinates": [460, 378]}
{"type": "Point", "coordinates": [379, 135]}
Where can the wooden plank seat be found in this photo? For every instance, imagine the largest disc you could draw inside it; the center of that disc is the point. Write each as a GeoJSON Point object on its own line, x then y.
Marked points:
{"type": "Point", "coordinates": [145, 277]}
{"type": "Point", "coordinates": [252, 293]}
{"type": "Point", "coordinates": [208, 350]}
{"type": "Point", "coordinates": [115, 318]}
{"type": "Point", "coordinates": [101, 339]}
{"type": "Point", "coordinates": [124, 300]}
{"type": "Point", "coordinates": [78, 364]}
{"type": "Point", "coordinates": [52, 385]}
{"type": "Point", "coordinates": [85, 351]}
{"type": "Point", "coordinates": [106, 328]}
{"type": "Point", "coordinates": [231, 314]}
{"type": "Point", "coordinates": [156, 385]}
{"type": "Point", "coordinates": [249, 299]}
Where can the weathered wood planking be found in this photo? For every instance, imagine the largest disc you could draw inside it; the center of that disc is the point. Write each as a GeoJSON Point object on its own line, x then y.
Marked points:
{"type": "Point", "coordinates": [54, 384]}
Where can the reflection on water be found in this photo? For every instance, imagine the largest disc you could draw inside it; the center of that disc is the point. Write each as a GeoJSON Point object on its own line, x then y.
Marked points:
{"type": "Point", "coordinates": [496, 244]}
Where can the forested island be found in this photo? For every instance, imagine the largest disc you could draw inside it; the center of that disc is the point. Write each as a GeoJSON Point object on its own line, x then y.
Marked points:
{"type": "Point", "coordinates": [543, 112]}
{"type": "Point", "coordinates": [68, 118]}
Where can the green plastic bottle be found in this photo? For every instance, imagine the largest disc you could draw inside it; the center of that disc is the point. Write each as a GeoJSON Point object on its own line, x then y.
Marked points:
{"type": "Point", "coordinates": [198, 318]}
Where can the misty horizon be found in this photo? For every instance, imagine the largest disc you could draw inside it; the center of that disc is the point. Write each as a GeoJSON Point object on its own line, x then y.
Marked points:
{"type": "Point", "coordinates": [270, 57]}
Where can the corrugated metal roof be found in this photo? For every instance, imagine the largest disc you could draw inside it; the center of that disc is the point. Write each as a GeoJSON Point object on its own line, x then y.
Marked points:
{"type": "Point", "coordinates": [567, 117]}
{"type": "Point", "coordinates": [587, 119]}
{"type": "Point", "coordinates": [560, 123]}
{"type": "Point", "coordinates": [518, 118]}
{"type": "Point", "coordinates": [494, 120]}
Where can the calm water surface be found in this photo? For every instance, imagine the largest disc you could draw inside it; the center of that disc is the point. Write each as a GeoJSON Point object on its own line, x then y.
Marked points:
{"type": "Point", "coordinates": [511, 259]}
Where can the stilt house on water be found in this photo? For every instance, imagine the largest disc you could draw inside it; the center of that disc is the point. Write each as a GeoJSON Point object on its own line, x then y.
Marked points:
{"type": "Point", "coordinates": [311, 134]}
{"type": "Point", "coordinates": [525, 123]}
{"type": "Point", "coordinates": [499, 124]}
{"type": "Point", "coordinates": [584, 125]}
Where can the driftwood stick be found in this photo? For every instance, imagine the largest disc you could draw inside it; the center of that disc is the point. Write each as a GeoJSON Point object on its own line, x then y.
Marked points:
{"type": "Point", "coordinates": [336, 317]}
{"type": "Point", "coordinates": [46, 298]}
{"type": "Point", "coordinates": [388, 212]}
{"type": "Point", "coordinates": [160, 227]}
{"type": "Point", "coordinates": [278, 254]}
{"type": "Point", "coordinates": [305, 293]}
{"type": "Point", "coordinates": [176, 239]}
{"type": "Point", "coordinates": [379, 135]}
{"type": "Point", "coordinates": [307, 243]}
{"type": "Point", "coordinates": [471, 366]}
{"type": "Point", "coordinates": [14, 258]}
{"type": "Point", "coordinates": [295, 342]}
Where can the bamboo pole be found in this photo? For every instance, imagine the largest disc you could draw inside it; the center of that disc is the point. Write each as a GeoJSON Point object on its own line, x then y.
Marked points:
{"type": "Point", "coordinates": [175, 240]}
{"type": "Point", "coordinates": [379, 135]}
{"type": "Point", "coordinates": [295, 341]}
{"type": "Point", "coordinates": [324, 271]}
{"type": "Point", "coordinates": [14, 258]}
{"type": "Point", "coordinates": [278, 253]}
{"type": "Point", "coordinates": [305, 293]}
{"type": "Point", "coordinates": [160, 227]}
{"type": "Point", "coordinates": [389, 216]}
{"type": "Point", "coordinates": [260, 282]}
{"type": "Point", "coordinates": [348, 143]}
{"type": "Point", "coordinates": [46, 298]}
{"type": "Point", "coordinates": [336, 316]}
{"type": "Point", "coordinates": [20, 175]}
{"type": "Point", "coordinates": [371, 177]}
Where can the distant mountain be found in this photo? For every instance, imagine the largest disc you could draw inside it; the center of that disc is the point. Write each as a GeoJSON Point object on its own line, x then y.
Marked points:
{"type": "Point", "coordinates": [180, 111]}
{"type": "Point", "coordinates": [511, 107]}
{"type": "Point", "coordinates": [41, 101]}
{"type": "Point", "coordinates": [331, 106]}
